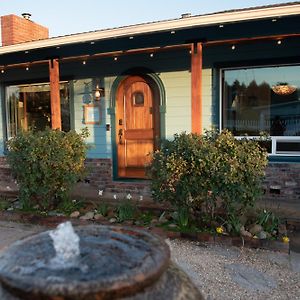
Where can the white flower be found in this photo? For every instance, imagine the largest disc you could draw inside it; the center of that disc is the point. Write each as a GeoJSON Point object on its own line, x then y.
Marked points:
{"type": "Point", "coordinates": [100, 193]}
{"type": "Point", "coordinates": [128, 196]}
{"type": "Point", "coordinates": [115, 196]}
{"type": "Point", "coordinates": [141, 198]}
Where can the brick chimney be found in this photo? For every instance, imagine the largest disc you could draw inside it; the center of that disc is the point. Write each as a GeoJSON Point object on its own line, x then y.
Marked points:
{"type": "Point", "coordinates": [15, 30]}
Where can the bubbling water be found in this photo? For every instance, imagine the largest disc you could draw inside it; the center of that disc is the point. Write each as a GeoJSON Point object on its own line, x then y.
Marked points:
{"type": "Point", "coordinates": [66, 245]}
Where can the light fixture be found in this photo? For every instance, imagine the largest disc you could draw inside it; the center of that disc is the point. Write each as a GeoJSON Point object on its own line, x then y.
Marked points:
{"type": "Point", "coordinates": [115, 58]}
{"type": "Point", "coordinates": [221, 26]}
{"type": "Point", "coordinates": [279, 42]}
{"type": "Point", "coordinates": [131, 37]}
{"type": "Point", "coordinates": [27, 68]}
{"type": "Point", "coordinates": [151, 54]}
{"type": "Point", "coordinates": [92, 43]}
{"type": "Point", "coordinates": [2, 71]}
{"type": "Point", "coordinates": [57, 47]}
{"type": "Point", "coordinates": [173, 32]}
{"type": "Point", "coordinates": [283, 89]}
{"type": "Point", "coordinates": [84, 62]}
{"type": "Point", "coordinates": [26, 52]}
{"type": "Point", "coordinates": [233, 47]}
{"type": "Point", "coordinates": [274, 20]}
{"type": "Point", "coordinates": [98, 92]}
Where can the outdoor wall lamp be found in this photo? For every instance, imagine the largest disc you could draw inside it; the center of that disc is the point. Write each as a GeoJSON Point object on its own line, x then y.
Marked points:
{"type": "Point", "coordinates": [99, 92]}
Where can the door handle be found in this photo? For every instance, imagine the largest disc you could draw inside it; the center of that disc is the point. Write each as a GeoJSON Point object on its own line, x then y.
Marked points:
{"type": "Point", "coordinates": [120, 134]}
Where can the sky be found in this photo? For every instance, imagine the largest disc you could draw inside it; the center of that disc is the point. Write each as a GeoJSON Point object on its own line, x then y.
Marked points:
{"type": "Point", "coordinates": [73, 16]}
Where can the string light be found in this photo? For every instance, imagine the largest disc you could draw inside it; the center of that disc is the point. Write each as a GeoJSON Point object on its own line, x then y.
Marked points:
{"type": "Point", "coordinates": [233, 47]}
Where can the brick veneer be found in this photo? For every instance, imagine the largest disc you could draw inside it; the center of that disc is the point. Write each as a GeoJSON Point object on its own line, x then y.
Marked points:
{"type": "Point", "coordinates": [282, 181]}
{"type": "Point", "coordinates": [15, 29]}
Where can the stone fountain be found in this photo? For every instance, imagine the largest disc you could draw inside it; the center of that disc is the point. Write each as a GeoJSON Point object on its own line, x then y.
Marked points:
{"type": "Point", "coordinates": [93, 263]}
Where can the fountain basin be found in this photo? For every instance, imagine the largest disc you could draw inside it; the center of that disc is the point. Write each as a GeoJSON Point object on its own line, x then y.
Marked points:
{"type": "Point", "coordinates": [114, 262]}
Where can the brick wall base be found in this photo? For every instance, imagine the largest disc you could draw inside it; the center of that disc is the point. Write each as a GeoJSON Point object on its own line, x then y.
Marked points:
{"type": "Point", "coordinates": [282, 183]}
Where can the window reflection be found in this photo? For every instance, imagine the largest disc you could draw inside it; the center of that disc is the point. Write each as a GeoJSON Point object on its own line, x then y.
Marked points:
{"type": "Point", "coordinates": [251, 104]}
{"type": "Point", "coordinates": [28, 107]}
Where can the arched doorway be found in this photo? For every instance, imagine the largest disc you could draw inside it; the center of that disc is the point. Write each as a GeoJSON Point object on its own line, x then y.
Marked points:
{"type": "Point", "coordinates": [137, 125]}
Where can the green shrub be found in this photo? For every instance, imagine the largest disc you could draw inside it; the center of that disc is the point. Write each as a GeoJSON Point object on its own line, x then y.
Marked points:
{"type": "Point", "coordinates": [208, 171]}
{"type": "Point", "coordinates": [46, 165]}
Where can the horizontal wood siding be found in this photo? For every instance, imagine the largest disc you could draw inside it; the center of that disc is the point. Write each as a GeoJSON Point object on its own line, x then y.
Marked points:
{"type": "Point", "coordinates": [178, 101]}
{"type": "Point", "coordinates": [99, 139]}
{"type": "Point", "coordinates": [207, 99]}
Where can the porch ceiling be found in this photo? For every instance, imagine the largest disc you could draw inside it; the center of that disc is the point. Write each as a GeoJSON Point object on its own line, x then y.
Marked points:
{"type": "Point", "coordinates": [284, 25]}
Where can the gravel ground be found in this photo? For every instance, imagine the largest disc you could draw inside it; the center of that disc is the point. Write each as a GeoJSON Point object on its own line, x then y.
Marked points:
{"type": "Point", "coordinates": [222, 272]}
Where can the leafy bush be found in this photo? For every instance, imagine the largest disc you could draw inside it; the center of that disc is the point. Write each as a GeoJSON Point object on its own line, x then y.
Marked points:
{"type": "Point", "coordinates": [46, 165]}
{"type": "Point", "coordinates": [103, 209]}
{"type": "Point", "coordinates": [208, 171]}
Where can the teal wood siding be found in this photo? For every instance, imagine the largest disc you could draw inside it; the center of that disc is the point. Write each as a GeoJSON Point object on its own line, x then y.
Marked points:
{"type": "Point", "coordinates": [207, 99]}
{"type": "Point", "coordinates": [99, 139]}
{"type": "Point", "coordinates": [178, 102]}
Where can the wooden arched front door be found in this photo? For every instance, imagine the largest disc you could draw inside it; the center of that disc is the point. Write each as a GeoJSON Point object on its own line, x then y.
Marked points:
{"type": "Point", "coordinates": [137, 126]}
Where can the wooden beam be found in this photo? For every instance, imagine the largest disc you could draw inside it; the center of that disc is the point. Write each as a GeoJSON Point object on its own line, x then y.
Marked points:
{"type": "Point", "coordinates": [196, 78]}
{"type": "Point", "coordinates": [54, 94]}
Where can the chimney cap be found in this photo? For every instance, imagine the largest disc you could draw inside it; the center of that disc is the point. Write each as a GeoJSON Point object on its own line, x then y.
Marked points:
{"type": "Point", "coordinates": [186, 15]}
{"type": "Point", "coordinates": [26, 16]}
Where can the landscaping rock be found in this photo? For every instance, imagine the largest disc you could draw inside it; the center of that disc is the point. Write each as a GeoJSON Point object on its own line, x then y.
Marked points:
{"type": "Point", "coordinates": [255, 229]}
{"type": "Point", "coordinates": [282, 229]}
{"type": "Point", "coordinates": [88, 216]}
{"type": "Point", "coordinates": [262, 235]}
{"type": "Point", "coordinates": [245, 233]}
{"type": "Point", "coordinates": [99, 217]}
{"type": "Point", "coordinates": [75, 214]}
{"type": "Point", "coordinates": [112, 220]}
{"type": "Point", "coordinates": [154, 221]}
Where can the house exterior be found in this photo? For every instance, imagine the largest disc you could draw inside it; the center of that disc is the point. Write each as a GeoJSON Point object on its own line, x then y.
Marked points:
{"type": "Point", "coordinates": [136, 85]}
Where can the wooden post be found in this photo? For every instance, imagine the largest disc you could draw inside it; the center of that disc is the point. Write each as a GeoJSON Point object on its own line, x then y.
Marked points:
{"type": "Point", "coordinates": [196, 77]}
{"type": "Point", "coordinates": [55, 94]}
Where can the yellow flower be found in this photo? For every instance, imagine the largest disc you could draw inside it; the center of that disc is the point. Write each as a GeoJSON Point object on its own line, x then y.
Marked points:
{"type": "Point", "coordinates": [285, 239]}
{"type": "Point", "coordinates": [219, 230]}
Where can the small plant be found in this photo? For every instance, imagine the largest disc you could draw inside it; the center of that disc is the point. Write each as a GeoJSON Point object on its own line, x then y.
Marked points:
{"type": "Point", "coordinates": [102, 209]}
{"type": "Point", "coordinates": [125, 211]}
{"type": "Point", "coordinates": [182, 218]}
{"type": "Point", "coordinates": [268, 220]}
{"type": "Point", "coordinates": [146, 218]}
{"type": "Point", "coordinates": [68, 206]}
{"type": "Point", "coordinates": [4, 204]}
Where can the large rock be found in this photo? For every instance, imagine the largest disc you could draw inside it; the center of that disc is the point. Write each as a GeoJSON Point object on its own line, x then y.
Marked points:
{"type": "Point", "coordinates": [262, 235]}
{"type": "Point", "coordinates": [88, 216]}
{"type": "Point", "coordinates": [245, 233]}
{"type": "Point", "coordinates": [255, 229]}
{"type": "Point", "coordinates": [75, 214]}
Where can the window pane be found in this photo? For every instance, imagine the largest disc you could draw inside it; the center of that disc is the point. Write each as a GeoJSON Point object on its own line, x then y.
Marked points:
{"type": "Point", "coordinates": [28, 107]}
{"type": "Point", "coordinates": [262, 99]}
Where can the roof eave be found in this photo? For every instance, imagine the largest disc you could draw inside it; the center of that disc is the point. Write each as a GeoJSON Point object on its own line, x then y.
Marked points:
{"type": "Point", "coordinates": [177, 24]}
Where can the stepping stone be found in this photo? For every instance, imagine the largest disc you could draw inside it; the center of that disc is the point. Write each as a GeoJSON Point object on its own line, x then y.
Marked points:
{"type": "Point", "coordinates": [250, 278]}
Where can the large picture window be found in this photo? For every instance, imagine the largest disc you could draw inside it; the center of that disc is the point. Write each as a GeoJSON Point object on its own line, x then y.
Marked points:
{"type": "Point", "coordinates": [264, 99]}
{"type": "Point", "coordinates": [28, 107]}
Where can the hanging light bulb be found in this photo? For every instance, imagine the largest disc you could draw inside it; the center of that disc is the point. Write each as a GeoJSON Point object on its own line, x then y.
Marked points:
{"type": "Point", "coordinates": [97, 92]}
